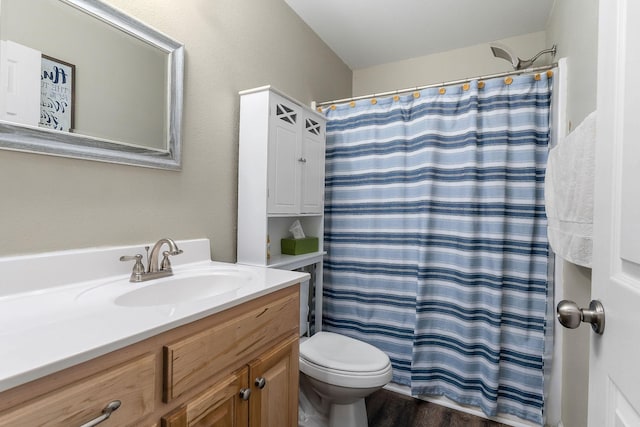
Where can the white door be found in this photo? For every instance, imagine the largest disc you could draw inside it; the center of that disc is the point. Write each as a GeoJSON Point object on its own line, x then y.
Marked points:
{"type": "Point", "coordinates": [614, 371]}
{"type": "Point", "coordinates": [19, 83]}
{"type": "Point", "coordinates": [284, 154]}
{"type": "Point", "coordinates": [312, 166]}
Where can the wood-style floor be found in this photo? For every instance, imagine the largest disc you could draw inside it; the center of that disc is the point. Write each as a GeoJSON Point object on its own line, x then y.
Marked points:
{"type": "Point", "coordinates": [389, 409]}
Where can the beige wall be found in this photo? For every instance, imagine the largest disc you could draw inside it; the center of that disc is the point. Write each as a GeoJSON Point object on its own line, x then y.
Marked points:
{"type": "Point", "coordinates": [446, 66]}
{"type": "Point", "coordinates": [573, 25]}
{"type": "Point", "coordinates": [51, 203]}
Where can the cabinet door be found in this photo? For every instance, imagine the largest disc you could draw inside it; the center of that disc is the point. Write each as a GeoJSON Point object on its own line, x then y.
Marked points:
{"type": "Point", "coordinates": [312, 166]}
{"type": "Point", "coordinates": [220, 406]}
{"type": "Point", "coordinates": [276, 403]}
{"type": "Point", "coordinates": [284, 157]}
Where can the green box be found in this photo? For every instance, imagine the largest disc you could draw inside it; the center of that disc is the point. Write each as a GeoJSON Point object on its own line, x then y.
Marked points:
{"type": "Point", "coordinates": [299, 246]}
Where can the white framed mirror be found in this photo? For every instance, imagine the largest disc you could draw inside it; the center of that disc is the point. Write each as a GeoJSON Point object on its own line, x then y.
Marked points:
{"type": "Point", "coordinates": [79, 78]}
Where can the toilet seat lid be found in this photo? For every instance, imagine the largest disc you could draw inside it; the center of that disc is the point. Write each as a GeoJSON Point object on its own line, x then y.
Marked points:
{"type": "Point", "coordinates": [339, 352]}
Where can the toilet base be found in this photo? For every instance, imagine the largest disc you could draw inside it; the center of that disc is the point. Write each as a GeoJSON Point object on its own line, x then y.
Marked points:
{"type": "Point", "coordinates": [349, 415]}
{"type": "Point", "coordinates": [316, 410]}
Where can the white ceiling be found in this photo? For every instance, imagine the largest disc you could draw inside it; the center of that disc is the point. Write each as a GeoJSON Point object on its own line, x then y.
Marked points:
{"type": "Point", "coordinates": [364, 33]}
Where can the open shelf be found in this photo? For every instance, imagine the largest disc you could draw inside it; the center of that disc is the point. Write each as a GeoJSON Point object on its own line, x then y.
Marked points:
{"type": "Point", "coordinates": [292, 262]}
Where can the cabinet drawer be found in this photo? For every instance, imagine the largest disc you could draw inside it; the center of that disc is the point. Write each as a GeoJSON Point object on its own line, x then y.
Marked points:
{"type": "Point", "coordinates": [245, 333]}
{"type": "Point", "coordinates": [133, 383]}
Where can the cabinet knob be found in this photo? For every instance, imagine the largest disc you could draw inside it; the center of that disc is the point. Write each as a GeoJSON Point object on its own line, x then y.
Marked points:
{"type": "Point", "coordinates": [260, 382]}
{"type": "Point", "coordinates": [245, 393]}
{"type": "Point", "coordinates": [302, 160]}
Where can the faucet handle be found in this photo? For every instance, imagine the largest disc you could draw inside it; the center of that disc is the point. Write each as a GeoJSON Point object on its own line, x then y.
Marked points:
{"type": "Point", "coordinates": [137, 258]}
{"type": "Point", "coordinates": [138, 268]}
{"type": "Point", "coordinates": [166, 264]}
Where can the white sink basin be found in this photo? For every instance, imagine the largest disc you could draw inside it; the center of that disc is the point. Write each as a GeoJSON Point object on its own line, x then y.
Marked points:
{"type": "Point", "coordinates": [180, 288]}
{"type": "Point", "coordinates": [175, 290]}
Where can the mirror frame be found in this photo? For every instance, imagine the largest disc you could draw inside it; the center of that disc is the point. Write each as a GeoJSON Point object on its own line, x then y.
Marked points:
{"type": "Point", "coordinates": [34, 139]}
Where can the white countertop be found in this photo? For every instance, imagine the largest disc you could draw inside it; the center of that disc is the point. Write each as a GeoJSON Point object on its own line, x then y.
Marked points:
{"type": "Point", "coordinates": [47, 329]}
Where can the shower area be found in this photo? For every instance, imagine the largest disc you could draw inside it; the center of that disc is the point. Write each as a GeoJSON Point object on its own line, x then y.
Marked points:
{"type": "Point", "coordinates": [435, 232]}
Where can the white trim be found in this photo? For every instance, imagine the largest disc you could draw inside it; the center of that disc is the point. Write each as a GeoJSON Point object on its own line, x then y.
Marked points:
{"type": "Point", "coordinates": [553, 390]}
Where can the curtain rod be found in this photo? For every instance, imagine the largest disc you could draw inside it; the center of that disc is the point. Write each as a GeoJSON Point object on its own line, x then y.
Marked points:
{"type": "Point", "coordinates": [453, 82]}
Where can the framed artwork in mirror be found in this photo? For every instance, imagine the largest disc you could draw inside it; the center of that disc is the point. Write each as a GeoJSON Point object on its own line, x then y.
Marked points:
{"type": "Point", "coordinates": [57, 80]}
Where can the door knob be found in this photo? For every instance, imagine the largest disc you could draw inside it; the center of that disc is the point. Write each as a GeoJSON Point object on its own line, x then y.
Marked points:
{"type": "Point", "coordinates": [570, 315]}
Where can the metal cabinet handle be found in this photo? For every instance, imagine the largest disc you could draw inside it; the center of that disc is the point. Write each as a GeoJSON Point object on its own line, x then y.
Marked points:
{"type": "Point", "coordinates": [106, 413]}
{"type": "Point", "coordinates": [302, 160]}
{"type": "Point", "coordinates": [260, 382]}
{"type": "Point", "coordinates": [570, 315]}
{"type": "Point", "coordinates": [245, 393]}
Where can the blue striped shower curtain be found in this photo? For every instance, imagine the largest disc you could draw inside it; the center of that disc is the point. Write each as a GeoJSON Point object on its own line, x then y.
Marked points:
{"type": "Point", "coordinates": [435, 232]}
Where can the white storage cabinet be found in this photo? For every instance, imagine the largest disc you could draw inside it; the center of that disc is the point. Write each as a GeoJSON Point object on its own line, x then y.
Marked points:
{"type": "Point", "coordinates": [280, 179]}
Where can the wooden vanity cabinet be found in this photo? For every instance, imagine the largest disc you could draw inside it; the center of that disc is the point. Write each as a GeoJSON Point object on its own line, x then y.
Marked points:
{"type": "Point", "coordinates": [192, 375]}
{"type": "Point", "coordinates": [264, 393]}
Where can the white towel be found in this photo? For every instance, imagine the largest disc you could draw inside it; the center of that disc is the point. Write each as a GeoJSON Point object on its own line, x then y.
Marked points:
{"type": "Point", "coordinates": [569, 193]}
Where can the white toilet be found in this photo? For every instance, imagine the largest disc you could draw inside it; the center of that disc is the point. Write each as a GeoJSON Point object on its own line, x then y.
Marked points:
{"type": "Point", "coordinates": [336, 374]}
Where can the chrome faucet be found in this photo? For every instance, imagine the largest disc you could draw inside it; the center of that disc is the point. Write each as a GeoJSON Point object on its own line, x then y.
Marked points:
{"type": "Point", "coordinates": [153, 271]}
{"type": "Point", "coordinates": [153, 259]}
